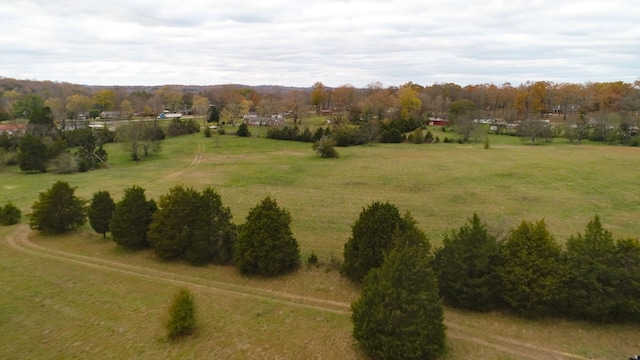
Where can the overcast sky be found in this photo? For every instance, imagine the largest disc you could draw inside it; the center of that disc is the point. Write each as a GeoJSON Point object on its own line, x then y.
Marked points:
{"type": "Point", "coordinates": [299, 42]}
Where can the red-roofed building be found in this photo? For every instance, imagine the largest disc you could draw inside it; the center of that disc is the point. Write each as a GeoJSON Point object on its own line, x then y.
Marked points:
{"type": "Point", "coordinates": [13, 129]}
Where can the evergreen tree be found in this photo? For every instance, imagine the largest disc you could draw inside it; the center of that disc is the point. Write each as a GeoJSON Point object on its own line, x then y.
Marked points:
{"type": "Point", "coordinates": [243, 130]}
{"type": "Point", "coordinates": [9, 214]}
{"type": "Point", "coordinates": [182, 315]}
{"type": "Point", "coordinates": [214, 115]}
{"type": "Point", "coordinates": [627, 260]}
{"type": "Point", "coordinates": [131, 219]}
{"type": "Point", "coordinates": [58, 210]}
{"type": "Point", "coordinates": [32, 154]}
{"type": "Point", "coordinates": [173, 225]}
{"type": "Point", "coordinates": [466, 267]}
{"type": "Point", "coordinates": [192, 225]}
{"type": "Point", "coordinates": [265, 244]}
{"type": "Point", "coordinates": [591, 273]}
{"type": "Point", "coordinates": [370, 240]}
{"type": "Point", "coordinates": [215, 234]}
{"type": "Point", "coordinates": [531, 273]}
{"type": "Point", "coordinates": [100, 212]}
{"type": "Point", "coordinates": [399, 314]}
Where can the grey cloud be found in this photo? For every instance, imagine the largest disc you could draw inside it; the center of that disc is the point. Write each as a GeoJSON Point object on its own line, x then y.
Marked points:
{"type": "Point", "coordinates": [297, 43]}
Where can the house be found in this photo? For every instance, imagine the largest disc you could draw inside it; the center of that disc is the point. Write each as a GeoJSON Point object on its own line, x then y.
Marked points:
{"type": "Point", "coordinates": [110, 115]}
{"type": "Point", "coordinates": [438, 122]}
{"type": "Point", "coordinates": [273, 120]}
{"type": "Point", "coordinates": [13, 129]}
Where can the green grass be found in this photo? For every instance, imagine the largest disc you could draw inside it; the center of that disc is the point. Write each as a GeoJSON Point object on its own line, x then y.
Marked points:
{"type": "Point", "coordinates": [60, 309]}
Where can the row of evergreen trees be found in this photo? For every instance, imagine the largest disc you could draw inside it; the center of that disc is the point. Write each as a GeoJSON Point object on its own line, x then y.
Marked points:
{"type": "Point", "coordinates": [594, 277]}
{"type": "Point", "coordinates": [399, 312]}
{"type": "Point", "coordinates": [184, 224]}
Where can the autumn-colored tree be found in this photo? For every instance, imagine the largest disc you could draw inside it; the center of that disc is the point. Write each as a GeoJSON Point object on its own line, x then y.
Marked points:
{"type": "Point", "coordinates": [171, 99]}
{"type": "Point", "coordinates": [200, 104]}
{"type": "Point", "coordinates": [57, 109]}
{"type": "Point", "coordinates": [539, 98]}
{"type": "Point", "coordinates": [461, 115]}
{"type": "Point", "coordinates": [126, 108]}
{"type": "Point", "coordinates": [105, 100]}
{"type": "Point", "coordinates": [343, 97]}
{"type": "Point", "coordinates": [410, 104]}
{"type": "Point", "coordinates": [78, 104]}
{"type": "Point", "coordinates": [319, 95]}
{"type": "Point", "coordinates": [294, 101]}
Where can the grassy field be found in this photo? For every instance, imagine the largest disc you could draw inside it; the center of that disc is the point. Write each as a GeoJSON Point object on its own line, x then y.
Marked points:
{"type": "Point", "coordinates": [60, 302]}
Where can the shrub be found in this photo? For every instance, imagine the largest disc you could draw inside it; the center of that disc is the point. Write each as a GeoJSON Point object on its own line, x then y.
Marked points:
{"type": "Point", "coordinates": [312, 259]}
{"type": "Point", "coordinates": [325, 147]}
{"type": "Point", "coordinates": [243, 130]}
{"type": "Point", "coordinates": [345, 136]}
{"type": "Point", "coordinates": [428, 138]}
{"type": "Point", "coordinates": [417, 136]}
{"type": "Point", "coordinates": [182, 315]}
{"type": "Point", "coordinates": [9, 214]}
{"type": "Point", "coordinates": [182, 127]}
{"type": "Point", "coordinates": [391, 136]}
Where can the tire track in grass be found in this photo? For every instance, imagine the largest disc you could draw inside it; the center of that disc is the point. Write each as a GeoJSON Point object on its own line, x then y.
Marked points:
{"type": "Point", "coordinates": [19, 240]}
{"type": "Point", "coordinates": [197, 158]}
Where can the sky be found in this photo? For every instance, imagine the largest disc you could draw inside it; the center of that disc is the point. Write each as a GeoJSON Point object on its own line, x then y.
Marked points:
{"type": "Point", "coordinates": [300, 42]}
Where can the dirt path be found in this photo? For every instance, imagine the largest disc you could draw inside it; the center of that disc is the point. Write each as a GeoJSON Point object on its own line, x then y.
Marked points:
{"type": "Point", "coordinates": [19, 240]}
{"type": "Point", "coordinates": [197, 158]}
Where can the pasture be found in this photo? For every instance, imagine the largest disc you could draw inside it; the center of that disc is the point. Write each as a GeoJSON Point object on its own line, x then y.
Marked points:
{"type": "Point", "coordinates": [79, 296]}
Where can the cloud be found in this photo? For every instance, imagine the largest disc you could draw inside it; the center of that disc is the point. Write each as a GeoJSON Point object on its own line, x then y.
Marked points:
{"type": "Point", "coordinates": [337, 42]}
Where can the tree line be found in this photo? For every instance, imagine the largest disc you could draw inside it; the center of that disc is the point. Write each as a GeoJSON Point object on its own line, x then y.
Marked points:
{"type": "Point", "coordinates": [529, 100]}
